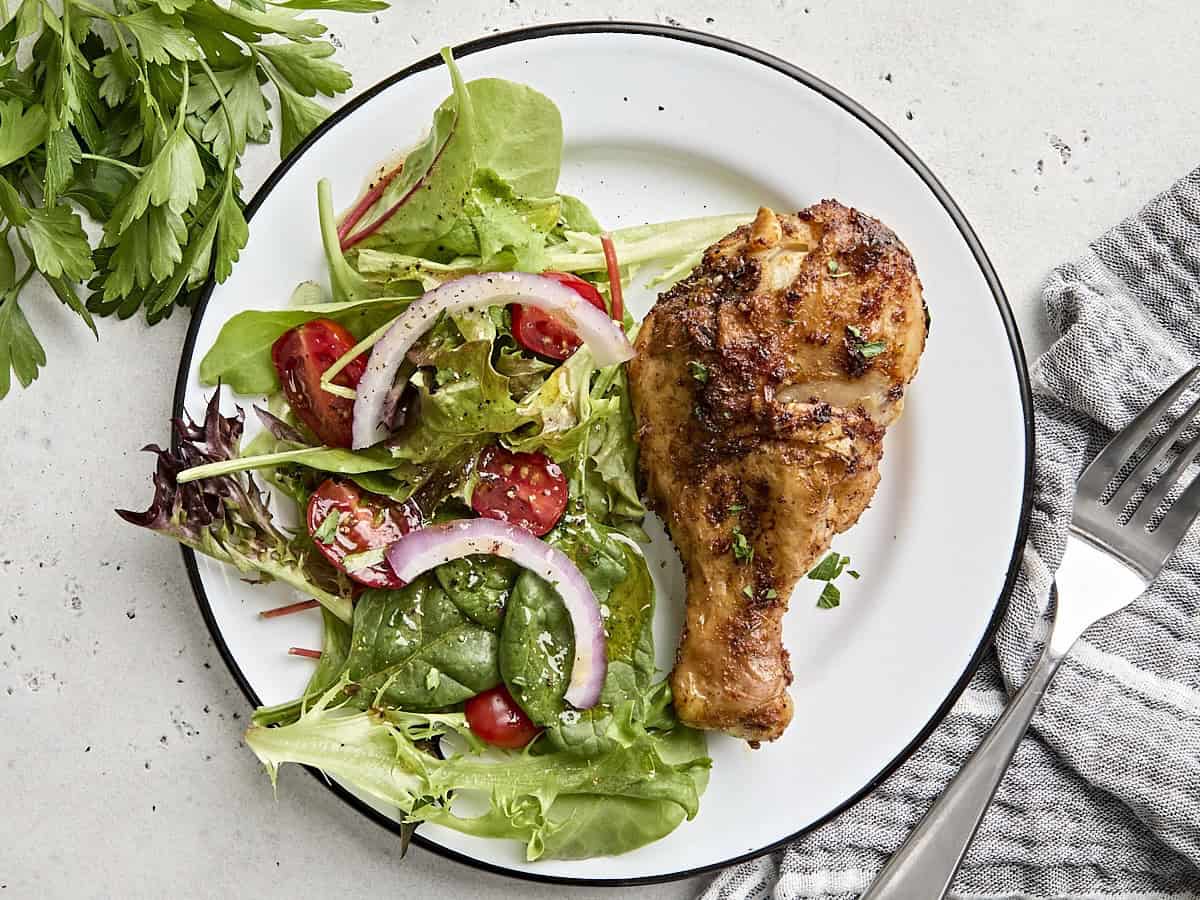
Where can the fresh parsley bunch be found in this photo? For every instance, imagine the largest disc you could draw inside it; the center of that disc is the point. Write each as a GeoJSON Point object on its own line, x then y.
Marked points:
{"type": "Point", "coordinates": [137, 113]}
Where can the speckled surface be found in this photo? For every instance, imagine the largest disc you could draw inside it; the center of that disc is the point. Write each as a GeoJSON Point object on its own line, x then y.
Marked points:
{"type": "Point", "coordinates": [122, 771]}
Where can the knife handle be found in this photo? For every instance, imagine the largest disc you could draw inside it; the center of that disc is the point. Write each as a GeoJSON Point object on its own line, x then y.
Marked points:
{"type": "Point", "coordinates": [924, 866]}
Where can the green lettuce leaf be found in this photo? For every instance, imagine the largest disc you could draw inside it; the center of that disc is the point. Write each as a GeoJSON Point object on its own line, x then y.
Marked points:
{"type": "Point", "coordinates": [421, 203]}
{"type": "Point", "coordinates": [462, 398]}
{"type": "Point", "coordinates": [335, 649]}
{"type": "Point", "coordinates": [611, 485]}
{"type": "Point", "coordinates": [495, 229]}
{"type": "Point", "coordinates": [377, 752]}
{"type": "Point", "coordinates": [241, 355]}
{"type": "Point", "coordinates": [398, 270]}
{"type": "Point", "coordinates": [663, 243]}
{"type": "Point", "coordinates": [505, 222]}
{"type": "Point", "coordinates": [518, 135]}
{"type": "Point", "coordinates": [574, 215]}
{"type": "Point", "coordinates": [332, 460]}
{"type": "Point", "coordinates": [565, 407]}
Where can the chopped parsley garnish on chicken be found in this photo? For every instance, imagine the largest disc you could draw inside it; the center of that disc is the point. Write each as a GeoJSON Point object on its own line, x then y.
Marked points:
{"type": "Point", "coordinates": [742, 551]}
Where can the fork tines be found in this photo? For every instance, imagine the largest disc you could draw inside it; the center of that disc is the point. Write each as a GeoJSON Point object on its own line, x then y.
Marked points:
{"type": "Point", "coordinates": [1117, 455]}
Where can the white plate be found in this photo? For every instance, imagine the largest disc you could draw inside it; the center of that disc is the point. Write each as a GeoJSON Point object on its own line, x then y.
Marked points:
{"type": "Point", "coordinates": [662, 124]}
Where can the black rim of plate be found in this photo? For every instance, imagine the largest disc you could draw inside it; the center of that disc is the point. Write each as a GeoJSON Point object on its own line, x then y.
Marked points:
{"type": "Point", "coordinates": [804, 78]}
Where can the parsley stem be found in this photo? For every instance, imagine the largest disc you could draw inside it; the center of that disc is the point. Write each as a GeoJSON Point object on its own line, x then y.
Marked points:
{"type": "Point", "coordinates": [212, 78]}
{"type": "Point", "coordinates": [94, 10]}
{"type": "Point", "coordinates": [128, 167]}
{"type": "Point", "coordinates": [23, 280]}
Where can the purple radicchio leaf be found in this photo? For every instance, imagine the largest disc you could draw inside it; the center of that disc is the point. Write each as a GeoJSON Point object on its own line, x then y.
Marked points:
{"type": "Point", "coordinates": [228, 517]}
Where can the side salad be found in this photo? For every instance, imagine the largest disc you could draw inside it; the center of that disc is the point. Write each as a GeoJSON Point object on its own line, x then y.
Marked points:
{"type": "Point", "coordinates": [452, 424]}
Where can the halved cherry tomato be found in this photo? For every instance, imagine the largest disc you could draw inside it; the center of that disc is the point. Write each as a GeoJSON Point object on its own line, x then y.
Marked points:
{"type": "Point", "coordinates": [545, 335]}
{"type": "Point", "coordinates": [301, 356]}
{"type": "Point", "coordinates": [496, 718]}
{"type": "Point", "coordinates": [526, 489]}
{"type": "Point", "coordinates": [364, 522]}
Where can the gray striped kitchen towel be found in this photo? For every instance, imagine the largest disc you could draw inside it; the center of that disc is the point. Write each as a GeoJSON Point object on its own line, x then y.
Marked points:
{"type": "Point", "coordinates": [1103, 798]}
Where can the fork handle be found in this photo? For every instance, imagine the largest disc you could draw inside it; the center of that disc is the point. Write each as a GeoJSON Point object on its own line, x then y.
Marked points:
{"type": "Point", "coordinates": [924, 866]}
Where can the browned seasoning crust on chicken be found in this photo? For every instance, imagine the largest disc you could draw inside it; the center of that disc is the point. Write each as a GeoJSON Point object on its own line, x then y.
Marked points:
{"type": "Point", "coordinates": [762, 386]}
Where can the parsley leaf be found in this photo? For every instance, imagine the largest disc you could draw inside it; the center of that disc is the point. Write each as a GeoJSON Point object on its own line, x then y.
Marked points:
{"type": "Point", "coordinates": [173, 179]}
{"type": "Point", "coordinates": [246, 106]}
{"type": "Point", "coordinates": [328, 528]}
{"type": "Point", "coordinates": [117, 73]}
{"type": "Point", "coordinates": [8, 265]}
{"type": "Point", "coordinates": [298, 116]}
{"type": "Point", "coordinates": [699, 371]}
{"type": "Point", "coordinates": [59, 244]}
{"type": "Point", "coordinates": [742, 551]}
{"type": "Point", "coordinates": [830, 567]}
{"type": "Point", "coordinates": [830, 596]}
{"type": "Point", "coordinates": [20, 349]}
{"type": "Point", "coordinates": [160, 37]}
{"type": "Point", "coordinates": [137, 114]}
{"type": "Point", "coordinates": [21, 130]}
{"type": "Point", "coordinates": [350, 6]}
{"type": "Point", "coordinates": [62, 155]}
{"type": "Point", "coordinates": [828, 570]}
{"type": "Point", "coordinates": [232, 234]}
{"type": "Point", "coordinates": [307, 67]}
{"type": "Point", "coordinates": [872, 348]}
{"type": "Point", "coordinates": [860, 349]}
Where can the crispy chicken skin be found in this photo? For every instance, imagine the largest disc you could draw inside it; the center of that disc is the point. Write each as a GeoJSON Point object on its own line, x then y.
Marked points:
{"type": "Point", "coordinates": [762, 393]}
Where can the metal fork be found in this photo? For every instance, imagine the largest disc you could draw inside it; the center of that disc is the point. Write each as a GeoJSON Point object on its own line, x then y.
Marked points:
{"type": "Point", "coordinates": [1109, 561]}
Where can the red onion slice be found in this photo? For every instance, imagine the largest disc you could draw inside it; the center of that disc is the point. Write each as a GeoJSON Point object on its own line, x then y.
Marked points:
{"type": "Point", "coordinates": [422, 549]}
{"type": "Point", "coordinates": [603, 337]}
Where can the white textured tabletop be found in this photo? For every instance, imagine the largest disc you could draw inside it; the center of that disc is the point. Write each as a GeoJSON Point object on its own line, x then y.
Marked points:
{"type": "Point", "coordinates": [122, 772]}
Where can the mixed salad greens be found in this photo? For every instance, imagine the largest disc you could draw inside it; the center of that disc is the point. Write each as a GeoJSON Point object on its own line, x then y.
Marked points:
{"type": "Point", "coordinates": [454, 424]}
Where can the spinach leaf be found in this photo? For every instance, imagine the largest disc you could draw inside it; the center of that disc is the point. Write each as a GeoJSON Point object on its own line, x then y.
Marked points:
{"type": "Point", "coordinates": [580, 826]}
{"type": "Point", "coordinates": [480, 586]}
{"type": "Point", "coordinates": [537, 642]}
{"type": "Point", "coordinates": [413, 648]}
{"type": "Point", "coordinates": [537, 647]}
{"type": "Point", "coordinates": [630, 618]}
{"type": "Point", "coordinates": [628, 611]}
